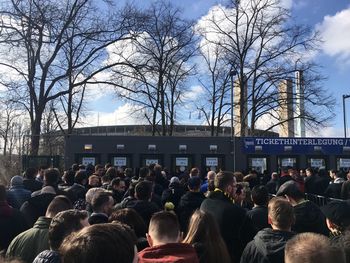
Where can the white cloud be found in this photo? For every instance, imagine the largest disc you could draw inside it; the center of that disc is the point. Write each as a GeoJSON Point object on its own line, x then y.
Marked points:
{"type": "Point", "coordinates": [327, 132]}
{"type": "Point", "coordinates": [335, 32]}
{"type": "Point", "coordinates": [193, 93]}
{"type": "Point", "coordinates": [123, 115]}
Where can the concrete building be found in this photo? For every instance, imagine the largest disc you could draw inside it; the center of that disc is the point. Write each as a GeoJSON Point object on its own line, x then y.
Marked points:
{"type": "Point", "coordinates": [286, 129]}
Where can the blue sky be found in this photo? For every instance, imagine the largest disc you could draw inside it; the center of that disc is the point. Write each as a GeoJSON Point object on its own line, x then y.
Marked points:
{"type": "Point", "coordinates": [331, 18]}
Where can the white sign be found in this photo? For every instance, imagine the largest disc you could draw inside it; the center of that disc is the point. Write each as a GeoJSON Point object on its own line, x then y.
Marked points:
{"type": "Point", "coordinates": [88, 160]}
{"type": "Point", "coordinates": [119, 161]}
{"type": "Point", "coordinates": [181, 161]}
{"type": "Point", "coordinates": [344, 162]}
{"type": "Point", "coordinates": [258, 162]}
{"type": "Point", "coordinates": [151, 161]}
{"type": "Point", "coordinates": [288, 162]}
{"type": "Point", "coordinates": [316, 163]}
{"type": "Point", "coordinates": [211, 161]}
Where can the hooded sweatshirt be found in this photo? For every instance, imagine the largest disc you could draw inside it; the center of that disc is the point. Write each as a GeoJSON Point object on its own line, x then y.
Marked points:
{"type": "Point", "coordinates": [172, 252]}
{"type": "Point", "coordinates": [267, 247]}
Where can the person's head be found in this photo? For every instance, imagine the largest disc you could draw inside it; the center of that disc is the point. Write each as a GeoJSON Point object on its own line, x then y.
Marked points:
{"type": "Point", "coordinates": [131, 218]}
{"type": "Point", "coordinates": [80, 177]}
{"type": "Point", "coordinates": [291, 191]}
{"type": "Point", "coordinates": [75, 167]}
{"type": "Point", "coordinates": [16, 181]}
{"type": "Point", "coordinates": [260, 195]}
{"type": "Point", "coordinates": [105, 179]}
{"type": "Point", "coordinates": [211, 175]}
{"type": "Point", "coordinates": [143, 190]}
{"type": "Point", "coordinates": [99, 169]}
{"type": "Point", "coordinates": [194, 172]}
{"type": "Point", "coordinates": [337, 215]}
{"type": "Point", "coordinates": [332, 173]}
{"type": "Point", "coordinates": [68, 176]}
{"type": "Point", "coordinates": [194, 183]}
{"type": "Point", "coordinates": [203, 228]}
{"type": "Point", "coordinates": [2, 193]}
{"type": "Point", "coordinates": [128, 172]}
{"type": "Point", "coordinates": [309, 171]}
{"type": "Point", "coordinates": [94, 180]}
{"type": "Point", "coordinates": [65, 223]}
{"type": "Point", "coordinates": [30, 173]}
{"type": "Point", "coordinates": [111, 173]}
{"type": "Point", "coordinates": [226, 182]}
{"type": "Point", "coordinates": [103, 243]}
{"type": "Point", "coordinates": [312, 248]}
{"type": "Point", "coordinates": [102, 202]}
{"type": "Point", "coordinates": [92, 192]}
{"type": "Point", "coordinates": [118, 184]}
{"type": "Point", "coordinates": [239, 176]}
{"type": "Point", "coordinates": [51, 177]}
{"type": "Point", "coordinates": [41, 170]}
{"type": "Point", "coordinates": [144, 172]}
{"type": "Point", "coordinates": [280, 214]}
{"type": "Point", "coordinates": [348, 176]}
{"type": "Point", "coordinates": [58, 204]}
{"type": "Point", "coordinates": [274, 176]}
{"type": "Point", "coordinates": [163, 228]}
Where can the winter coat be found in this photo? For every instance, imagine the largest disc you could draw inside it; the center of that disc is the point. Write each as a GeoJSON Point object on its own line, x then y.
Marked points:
{"type": "Point", "coordinates": [30, 243]}
{"type": "Point", "coordinates": [267, 247]}
{"type": "Point", "coordinates": [144, 208]}
{"type": "Point", "coordinates": [235, 227]}
{"type": "Point", "coordinates": [258, 215]}
{"type": "Point", "coordinates": [309, 218]}
{"type": "Point", "coordinates": [48, 256]}
{"type": "Point", "coordinates": [172, 252]}
{"type": "Point", "coordinates": [173, 194]}
{"type": "Point", "coordinates": [189, 202]}
{"type": "Point", "coordinates": [17, 195]}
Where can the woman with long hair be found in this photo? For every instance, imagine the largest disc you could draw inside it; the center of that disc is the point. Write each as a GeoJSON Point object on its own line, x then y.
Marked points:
{"type": "Point", "coordinates": [204, 235]}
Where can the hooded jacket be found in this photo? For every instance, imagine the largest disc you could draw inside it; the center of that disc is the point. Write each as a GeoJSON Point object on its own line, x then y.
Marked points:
{"type": "Point", "coordinates": [309, 218]}
{"type": "Point", "coordinates": [267, 247]}
{"type": "Point", "coordinates": [172, 252]}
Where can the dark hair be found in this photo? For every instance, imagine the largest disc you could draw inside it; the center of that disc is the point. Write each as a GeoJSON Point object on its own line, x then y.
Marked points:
{"type": "Point", "coordinates": [100, 199]}
{"type": "Point", "coordinates": [116, 181]}
{"type": "Point", "coordinates": [130, 217]}
{"type": "Point", "coordinates": [51, 177]}
{"type": "Point", "coordinates": [98, 166]}
{"type": "Point", "coordinates": [75, 167]}
{"type": "Point", "coordinates": [80, 176]}
{"type": "Point", "coordinates": [260, 195]}
{"type": "Point", "coordinates": [103, 243]}
{"type": "Point", "coordinates": [30, 173]}
{"type": "Point", "coordinates": [144, 172]}
{"type": "Point", "coordinates": [2, 192]}
{"type": "Point", "coordinates": [223, 179]}
{"type": "Point", "coordinates": [143, 190]}
{"type": "Point", "coordinates": [63, 224]}
{"type": "Point", "coordinates": [164, 225]}
{"type": "Point", "coordinates": [111, 172]}
{"type": "Point", "coordinates": [203, 229]}
{"type": "Point", "coordinates": [69, 176]}
{"type": "Point", "coordinates": [58, 204]}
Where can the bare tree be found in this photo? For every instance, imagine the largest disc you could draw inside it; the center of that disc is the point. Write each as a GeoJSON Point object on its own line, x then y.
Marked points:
{"type": "Point", "coordinates": [263, 45]}
{"type": "Point", "coordinates": [36, 37]}
{"type": "Point", "coordinates": [160, 57]}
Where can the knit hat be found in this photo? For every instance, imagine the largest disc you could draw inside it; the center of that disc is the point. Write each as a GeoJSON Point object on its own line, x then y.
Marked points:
{"type": "Point", "coordinates": [16, 181]}
{"type": "Point", "coordinates": [174, 180]}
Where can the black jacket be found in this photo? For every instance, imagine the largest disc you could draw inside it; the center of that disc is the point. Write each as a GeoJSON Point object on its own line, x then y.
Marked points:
{"type": "Point", "coordinates": [189, 202]}
{"type": "Point", "coordinates": [267, 247]}
{"type": "Point", "coordinates": [32, 184]}
{"type": "Point", "coordinates": [235, 227]}
{"type": "Point", "coordinates": [309, 218]}
{"type": "Point", "coordinates": [48, 256]}
{"type": "Point", "coordinates": [173, 194]}
{"type": "Point", "coordinates": [258, 215]}
{"type": "Point", "coordinates": [98, 218]}
{"type": "Point", "coordinates": [144, 208]}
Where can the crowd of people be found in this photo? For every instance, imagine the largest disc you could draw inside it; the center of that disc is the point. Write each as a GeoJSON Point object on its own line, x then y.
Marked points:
{"type": "Point", "coordinates": [104, 214]}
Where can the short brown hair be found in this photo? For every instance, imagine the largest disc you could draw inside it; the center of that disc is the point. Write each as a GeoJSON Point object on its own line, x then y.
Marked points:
{"type": "Point", "coordinates": [281, 213]}
{"type": "Point", "coordinates": [104, 243]}
{"type": "Point", "coordinates": [223, 179]}
{"type": "Point", "coordinates": [312, 248]}
{"type": "Point", "coordinates": [164, 225]}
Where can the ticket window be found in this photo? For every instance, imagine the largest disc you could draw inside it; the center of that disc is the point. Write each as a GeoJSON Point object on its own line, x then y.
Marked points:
{"type": "Point", "coordinates": [88, 161]}
{"type": "Point", "coordinates": [120, 162]}
{"type": "Point", "coordinates": [257, 164]}
{"type": "Point", "coordinates": [182, 165]}
{"type": "Point", "coordinates": [316, 163]}
{"type": "Point", "coordinates": [343, 164]}
{"type": "Point", "coordinates": [213, 163]}
{"type": "Point", "coordinates": [287, 162]}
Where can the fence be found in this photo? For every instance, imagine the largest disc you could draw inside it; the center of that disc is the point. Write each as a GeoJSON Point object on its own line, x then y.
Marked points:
{"type": "Point", "coordinates": [317, 199]}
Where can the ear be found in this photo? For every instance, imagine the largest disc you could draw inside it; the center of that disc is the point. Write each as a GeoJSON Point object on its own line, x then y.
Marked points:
{"type": "Point", "coordinates": [149, 240]}
{"type": "Point", "coordinates": [269, 221]}
{"type": "Point", "coordinates": [330, 224]}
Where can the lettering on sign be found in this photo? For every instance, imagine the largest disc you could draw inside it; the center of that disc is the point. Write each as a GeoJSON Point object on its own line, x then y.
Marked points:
{"type": "Point", "coordinates": [344, 162]}
{"type": "Point", "coordinates": [316, 162]}
{"type": "Point", "coordinates": [88, 160]}
{"type": "Point", "coordinates": [288, 162]}
{"type": "Point", "coordinates": [211, 161]}
{"type": "Point", "coordinates": [181, 161]}
{"type": "Point", "coordinates": [119, 161]}
{"type": "Point", "coordinates": [151, 161]}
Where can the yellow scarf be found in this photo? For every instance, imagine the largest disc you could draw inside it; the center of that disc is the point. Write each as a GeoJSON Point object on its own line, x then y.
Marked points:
{"type": "Point", "coordinates": [225, 194]}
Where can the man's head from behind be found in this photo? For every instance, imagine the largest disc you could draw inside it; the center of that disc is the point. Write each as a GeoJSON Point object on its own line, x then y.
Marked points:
{"type": "Point", "coordinates": [226, 182]}
{"type": "Point", "coordinates": [312, 248]}
{"type": "Point", "coordinates": [143, 190]}
{"type": "Point", "coordinates": [65, 223]}
{"type": "Point", "coordinates": [51, 177]}
{"type": "Point", "coordinates": [291, 191]}
{"type": "Point", "coordinates": [163, 228]}
{"type": "Point", "coordinates": [280, 214]}
{"type": "Point", "coordinates": [102, 202]}
{"type": "Point", "coordinates": [260, 195]}
{"type": "Point", "coordinates": [58, 204]}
